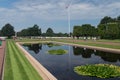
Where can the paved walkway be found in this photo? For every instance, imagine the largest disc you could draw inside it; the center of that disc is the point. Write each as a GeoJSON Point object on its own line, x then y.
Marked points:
{"type": "Point", "coordinates": [2, 53]}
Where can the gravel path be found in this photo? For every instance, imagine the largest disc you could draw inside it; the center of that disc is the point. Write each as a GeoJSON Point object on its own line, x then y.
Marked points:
{"type": "Point", "coordinates": [2, 53]}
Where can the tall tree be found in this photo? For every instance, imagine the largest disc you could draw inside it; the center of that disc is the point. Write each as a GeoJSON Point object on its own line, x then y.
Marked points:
{"type": "Point", "coordinates": [34, 31]}
{"type": "Point", "coordinates": [31, 31]}
{"type": "Point", "coordinates": [118, 18]}
{"type": "Point", "coordinates": [106, 20]}
{"type": "Point", "coordinates": [8, 30]}
{"type": "Point", "coordinates": [77, 31]}
{"type": "Point", "coordinates": [49, 32]}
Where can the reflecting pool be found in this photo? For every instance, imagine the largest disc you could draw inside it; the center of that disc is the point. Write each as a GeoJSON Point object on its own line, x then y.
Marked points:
{"type": "Point", "coordinates": [61, 66]}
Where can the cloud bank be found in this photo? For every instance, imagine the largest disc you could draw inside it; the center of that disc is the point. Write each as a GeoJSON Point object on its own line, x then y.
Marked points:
{"type": "Point", "coordinates": [31, 11]}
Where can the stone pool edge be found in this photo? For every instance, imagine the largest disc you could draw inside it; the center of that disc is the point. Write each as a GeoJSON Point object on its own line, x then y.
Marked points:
{"type": "Point", "coordinates": [43, 72]}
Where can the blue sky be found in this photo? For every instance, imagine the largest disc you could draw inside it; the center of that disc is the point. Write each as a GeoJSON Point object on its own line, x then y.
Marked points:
{"type": "Point", "coordinates": [53, 13]}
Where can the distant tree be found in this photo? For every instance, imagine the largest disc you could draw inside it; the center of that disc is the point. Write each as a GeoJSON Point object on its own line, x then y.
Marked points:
{"type": "Point", "coordinates": [8, 30]}
{"type": "Point", "coordinates": [77, 31]}
{"type": "Point", "coordinates": [31, 31]}
{"type": "Point", "coordinates": [109, 31]}
{"type": "Point", "coordinates": [88, 30]}
{"type": "Point", "coordinates": [49, 32]}
{"type": "Point", "coordinates": [106, 20]}
{"type": "Point", "coordinates": [84, 30]}
{"type": "Point", "coordinates": [118, 18]}
{"type": "Point", "coordinates": [34, 31]}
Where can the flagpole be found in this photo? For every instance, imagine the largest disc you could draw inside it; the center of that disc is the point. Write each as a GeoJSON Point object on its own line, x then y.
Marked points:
{"type": "Point", "coordinates": [68, 9]}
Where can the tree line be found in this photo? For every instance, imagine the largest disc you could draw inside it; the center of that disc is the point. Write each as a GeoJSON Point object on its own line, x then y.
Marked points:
{"type": "Point", "coordinates": [108, 28]}
{"type": "Point", "coordinates": [8, 31]}
{"type": "Point", "coordinates": [36, 31]}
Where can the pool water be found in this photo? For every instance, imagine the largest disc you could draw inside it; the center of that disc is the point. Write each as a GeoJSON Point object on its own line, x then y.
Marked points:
{"type": "Point", "coordinates": [62, 66]}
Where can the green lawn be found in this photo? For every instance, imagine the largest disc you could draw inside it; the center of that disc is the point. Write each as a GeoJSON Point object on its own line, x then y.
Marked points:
{"type": "Point", "coordinates": [80, 42]}
{"type": "Point", "coordinates": [17, 67]}
{"type": "Point", "coordinates": [92, 43]}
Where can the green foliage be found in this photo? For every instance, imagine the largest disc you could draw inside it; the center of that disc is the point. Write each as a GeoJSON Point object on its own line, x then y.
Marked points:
{"type": "Point", "coordinates": [77, 31]}
{"type": "Point", "coordinates": [98, 70]}
{"type": "Point", "coordinates": [109, 28]}
{"type": "Point", "coordinates": [8, 30]}
{"type": "Point", "coordinates": [107, 19]}
{"type": "Point", "coordinates": [118, 18]}
{"type": "Point", "coordinates": [31, 31]}
{"type": "Point", "coordinates": [109, 31]}
{"type": "Point", "coordinates": [84, 30]}
{"type": "Point", "coordinates": [49, 32]}
{"type": "Point", "coordinates": [57, 52]}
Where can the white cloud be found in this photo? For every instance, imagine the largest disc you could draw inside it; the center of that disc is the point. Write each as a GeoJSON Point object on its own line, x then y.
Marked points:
{"type": "Point", "coordinates": [28, 11]}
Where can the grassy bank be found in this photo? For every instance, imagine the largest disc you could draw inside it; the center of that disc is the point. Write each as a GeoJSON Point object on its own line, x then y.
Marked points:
{"type": "Point", "coordinates": [92, 43]}
{"type": "Point", "coordinates": [17, 67]}
{"type": "Point", "coordinates": [97, 43]}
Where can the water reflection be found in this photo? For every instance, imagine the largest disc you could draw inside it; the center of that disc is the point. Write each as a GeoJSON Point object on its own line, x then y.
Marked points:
{"type": "Point", "coordinates": [49, 45]}
{"type": "Point", "coordinates": [34, 47]}
{"type": "Point", "coordinates": [86, 53]}
{"type": "Point", "coordinates": [111, 57]}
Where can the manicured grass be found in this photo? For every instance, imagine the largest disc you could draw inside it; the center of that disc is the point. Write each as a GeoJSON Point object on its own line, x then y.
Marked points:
{"type": "Point", "coordinates": [80, 42]}
{"type": "Point", "coordinates": [89, 43]}
{"type": "Point", "coordinates": [57, 52]}
{"type": "Point", "coordinates": [17, 67]}
{"type": "Point", "coordinates": [98, 70]}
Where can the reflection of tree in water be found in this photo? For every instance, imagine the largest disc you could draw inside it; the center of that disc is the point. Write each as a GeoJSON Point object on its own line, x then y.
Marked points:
{"type": "Point", "coordinates": [50, 45]}
{"type": "Point", "coordinates": [35, 47]}
{"type": "Point", "coordinates": [86, 53]}
{"type": "Point", "coordinates": [110, 57]}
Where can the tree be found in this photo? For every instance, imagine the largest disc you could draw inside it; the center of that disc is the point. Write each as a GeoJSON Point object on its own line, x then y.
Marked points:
{"type": "Point", "coordinates": [34, 31]}
{"type": "Point", "coordinates": [118, 18]}
{"type": "Point", "coordinates": [8, 30]}
{"type": "Point", "coordinates": [77, 31]}
{"type": "Point", "coordinates": [84, 30]}
{"type": "Point", "coordinates": [109, 31]}
{"type": "Point", "coordinates": [88, 30]}
{"type": "Point", "coordinates": [31, 31]}
{"type": "Point", "coordinates": [49, 32]}
{"type": "Point", "coordinates": [106, 20]}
